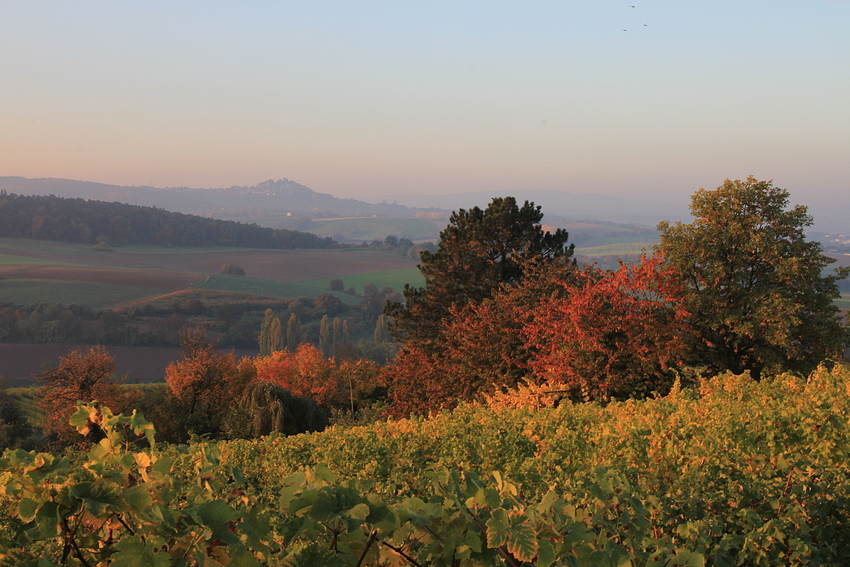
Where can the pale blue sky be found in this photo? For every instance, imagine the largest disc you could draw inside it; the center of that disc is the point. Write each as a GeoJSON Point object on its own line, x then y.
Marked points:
{"type": "Point", "coordinates": [363, 99]}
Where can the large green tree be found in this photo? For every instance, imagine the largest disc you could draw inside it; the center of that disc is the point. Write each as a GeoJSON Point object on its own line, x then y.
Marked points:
{"type": "Point", "coordinates": [479, 251]}
{"type": "Point", "coordinates": [757, 295]}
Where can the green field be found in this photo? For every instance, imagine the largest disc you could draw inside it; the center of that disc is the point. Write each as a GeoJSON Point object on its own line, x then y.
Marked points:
{"type": "Point", "coordinates": [14, 259]}
{"type": "Point", "coordinates": [152, 249]}
{"type": "Point", "coordinates": [60, 287]}
{"type": "Point", "coordinates": [389, 278]}
{"type": "Point", "coordinates": [91, 294]}
{"type": "Point", "coordinates": [80, 251]}
{"type": "Point", "coordinates": [620, 249]}
{"type": "Point", "coordinates": [268, 288]}
{"type": "Point", "coordinates": [375, 228]}
{"type": "Point", "coordinates": [844, 302]}
{"type": "Point", "coordinates": [30, 249]}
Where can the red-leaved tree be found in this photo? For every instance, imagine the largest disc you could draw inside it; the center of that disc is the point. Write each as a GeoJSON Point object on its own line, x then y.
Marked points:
{"type": "Point", "coordinates": [305, 372]}
{"type": "Point", "coordinates": [614, 334]}
{"type": "Point", "coordinates": [203, 383]}
{"type": "Point", "coordinates": [484, 347]}
{"type": "Point", "coordinates": [81, 376]}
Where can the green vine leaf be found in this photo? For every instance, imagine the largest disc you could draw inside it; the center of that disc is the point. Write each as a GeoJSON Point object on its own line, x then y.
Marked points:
{"type": "Point", "coordinates": [514, 531]}
{"type": "Point", "coordinates": [133, 552]}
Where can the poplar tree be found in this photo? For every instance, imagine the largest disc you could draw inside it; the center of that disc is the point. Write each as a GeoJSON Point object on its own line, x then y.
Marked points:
{"type": "Point", "coordinates": [381, 333]}
{"type": "Point", "coordinates": [294, 333]}
{"type": "Point", "coordinates": [337, 330]}
{"type": "Point", "coordinates": [326, 337]}
{"type": "Point", "coordinates": [271, 336]}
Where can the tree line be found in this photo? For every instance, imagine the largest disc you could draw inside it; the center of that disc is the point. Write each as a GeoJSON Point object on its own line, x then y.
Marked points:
{"type": "Point", "coordinates": [206, 392]}
{"type": "Point", "coordinates": [739, 289]}
{"type": "Point", "coordinates": [81, 221]}
{"type": "Point", "coordinates": [232, 320]}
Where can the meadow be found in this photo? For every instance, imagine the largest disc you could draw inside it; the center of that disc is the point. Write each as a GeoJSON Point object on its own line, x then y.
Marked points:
{"type": "Point", "coordinates": [619, 249]}
{"type": "Point", "coordinates": [360, 229]}
{"type": "Point", "coordinates": [395, 279]}
{"type": "Point", "coordinates": [268, 288]}
{"type": "Point", "coordinates": [98, 295]}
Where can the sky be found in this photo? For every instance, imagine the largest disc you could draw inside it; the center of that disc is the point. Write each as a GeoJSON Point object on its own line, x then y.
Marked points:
{"type": "Point", "coordinates": [363, 99]}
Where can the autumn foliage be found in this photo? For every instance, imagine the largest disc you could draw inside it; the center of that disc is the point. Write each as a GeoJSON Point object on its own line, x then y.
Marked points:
{"type": "Point", "coordinates": [591, 333]}
{"type": "Point", "coordinates": [81, 376]}
{"type": "Point", "coordinates": [203, 383]}
{"type": "Point", "coordinates": [484, 346]}
{"type": "Point", "coordinates": [612, 334]}
{"type": "Point", "coordinates": [306, 372]}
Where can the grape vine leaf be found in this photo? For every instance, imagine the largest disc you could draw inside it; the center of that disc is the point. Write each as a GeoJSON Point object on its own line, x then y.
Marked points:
{"type": "Point", "coordinates": [513, 531]}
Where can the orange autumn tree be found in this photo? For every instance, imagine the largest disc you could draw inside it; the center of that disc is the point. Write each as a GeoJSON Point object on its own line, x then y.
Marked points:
{"type": "Point", "coordinates": [593, 333]}
{"type": "Point", "coordinates": [305, 372]}
{"type": "Point", "coordinates": [614, 334]}
{"type": "Point", "coordinates": [203, 383]}
{"type": "Point", "coordinates": [81, 376]}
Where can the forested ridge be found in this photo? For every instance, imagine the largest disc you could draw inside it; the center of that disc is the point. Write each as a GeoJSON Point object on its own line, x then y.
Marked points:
{"type": "Point", "coordinates": [81, 221]}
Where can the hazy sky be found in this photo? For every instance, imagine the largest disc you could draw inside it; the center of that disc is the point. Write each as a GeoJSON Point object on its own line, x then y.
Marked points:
{"type": "Point", "coordinates": [363, 99]}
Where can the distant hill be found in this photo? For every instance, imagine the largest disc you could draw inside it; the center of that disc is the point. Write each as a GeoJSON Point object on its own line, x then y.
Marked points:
{"type": "Point", "coordinates": [270, 203]}
{"type": "Point", "coordinates": [286, 204]}
{"type": "Point", "coordinates": [830, 214]}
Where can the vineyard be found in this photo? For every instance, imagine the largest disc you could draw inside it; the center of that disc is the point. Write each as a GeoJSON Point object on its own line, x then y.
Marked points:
{"type": "Point", "coordinates": [728, 472]}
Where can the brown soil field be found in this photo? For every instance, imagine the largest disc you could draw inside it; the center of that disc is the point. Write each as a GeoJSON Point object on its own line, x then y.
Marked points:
{"type": "Point", "coordinates": [282, 265]}
{"type": "Point", "coordinates": [54, 252]}
{"type": "Point", "coordinates": [20, 362]}
{"type": "Point", "coordinates": [156, 279]}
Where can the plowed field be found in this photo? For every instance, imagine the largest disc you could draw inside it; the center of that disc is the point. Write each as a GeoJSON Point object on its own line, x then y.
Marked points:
{"type": "Point", "coordinates": [156, 279]}
{"type": "Point", "coordinates": [280, 265]}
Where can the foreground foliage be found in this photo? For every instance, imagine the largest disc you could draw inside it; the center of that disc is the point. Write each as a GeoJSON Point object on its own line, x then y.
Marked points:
{"type": "Point", "coordinates": [742, 472]}
{"type": "Point", "coordinates": [734, 472]}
